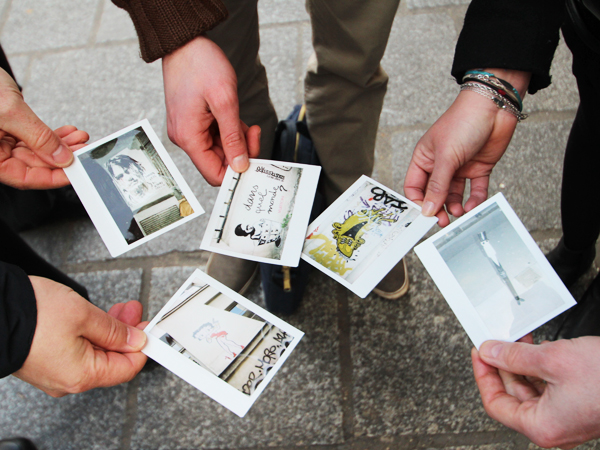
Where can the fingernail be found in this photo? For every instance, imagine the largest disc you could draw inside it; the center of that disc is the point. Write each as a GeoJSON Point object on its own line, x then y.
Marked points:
{"type": "Point", "coordinates": [136, 339]}
{"type": "Point", "coordinates": [240, 163]}
{"type": "Point", "coordinates": [428, 209]}
{"type": "Point", "coordinates": [62, 156]}
{"type": "Point", "coordinates": [491, 350]}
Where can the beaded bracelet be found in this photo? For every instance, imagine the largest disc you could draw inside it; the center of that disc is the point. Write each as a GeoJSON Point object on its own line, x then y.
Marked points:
{"type": "Point", "coordinates": [499, 100]}
{"type": "Point", "coordinates": [499, 83]}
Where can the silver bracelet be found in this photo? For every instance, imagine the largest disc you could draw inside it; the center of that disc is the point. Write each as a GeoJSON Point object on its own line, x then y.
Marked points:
{"type": "Point", "coordinates": [496, 97]}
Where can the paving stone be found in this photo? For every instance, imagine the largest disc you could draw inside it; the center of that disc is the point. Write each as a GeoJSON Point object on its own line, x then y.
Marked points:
{"type": "Point", "coordinates": [99, 90]}
{"type": "Point", "coordinates": [562, 94]}
{"type": "Point", "coordinates": [530, 173]}
{"type": "Point", "coordinates": [278, 53]}
{"type": "Point", "coordinates": [502, 446]}
{"type": "Point", "coordinates": [413, 4]}
{"type": "Point", "coordinates": [46, 24]}
{"type": "Point", "coordinates": [423, 45]}
{"type": "Point", "coordinates": [592, 445]}
{"type": "Point", "coordinates": [301, 406]}
{"type": "Point", "coordinates": [3, 4]}
{"type": "Point", "coordinates": [281, 11]}
{"type": "Point", "coordinates": [412, 365]}
{"type": "Point", "coordinates": [115, 25]}
{"type": "Point", "coordinates": [92, 420]}
{"type": "Point", "coordinates": [107, 288]}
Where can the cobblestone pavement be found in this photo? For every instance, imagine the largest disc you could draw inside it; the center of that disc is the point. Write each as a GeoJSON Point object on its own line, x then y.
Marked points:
{"type": "Point", "coordinates": [369, 374]}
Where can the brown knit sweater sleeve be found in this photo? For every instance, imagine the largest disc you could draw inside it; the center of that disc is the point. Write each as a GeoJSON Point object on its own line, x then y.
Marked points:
{"type": "Point", "coordinates": [165, 25]}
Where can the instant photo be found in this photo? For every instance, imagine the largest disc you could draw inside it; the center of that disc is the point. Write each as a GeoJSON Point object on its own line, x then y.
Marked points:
{"type": "Point", "coordinates": [262, 214]}
{"type": "Point", "coordinates": [364, 234]}
{"type": "Point", "coordinates": [219, 342]}
{"type": "Point", "coordinates": [130, 188]}
{"type": "Point", "coordinates": [493, 275]}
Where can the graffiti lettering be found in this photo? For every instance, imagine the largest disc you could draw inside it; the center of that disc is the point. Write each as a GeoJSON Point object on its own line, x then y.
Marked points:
{"type": "Point", "coordinates": [381, 195]}
{"type": "Point", "coordinates": [327, 255]}
{"type": "Point", "coordinates": [273, 195]}
{"type": "Point", "coordinates": [250, 201]}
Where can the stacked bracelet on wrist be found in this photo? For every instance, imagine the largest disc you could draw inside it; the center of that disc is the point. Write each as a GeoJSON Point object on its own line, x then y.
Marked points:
{"type": "Point", "coordinates": [501, 92]}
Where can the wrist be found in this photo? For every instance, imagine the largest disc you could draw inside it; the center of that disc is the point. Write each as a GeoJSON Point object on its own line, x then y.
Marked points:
{"type": "Point", "coordinates": [517, 78]}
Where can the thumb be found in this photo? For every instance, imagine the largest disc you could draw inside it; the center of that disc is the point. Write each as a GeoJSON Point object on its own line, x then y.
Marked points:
{"type": "Point", "coordinates": [515, 357]}
{"type": "Point", "coordinates": [109, 333]}
{"type": "Point", "coordinates": [26, 126]}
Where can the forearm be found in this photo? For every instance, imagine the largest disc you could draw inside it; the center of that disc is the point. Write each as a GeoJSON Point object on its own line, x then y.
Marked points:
{"type": "Point", "coordinates": [18, 318]}
{"type": "Point", "coordinates": [165, 25]}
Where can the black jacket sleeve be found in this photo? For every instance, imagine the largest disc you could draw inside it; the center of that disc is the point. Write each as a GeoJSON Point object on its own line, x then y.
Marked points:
{"type": "Point", "coordinates": [18, 318]}
{"type": "Point", "coordinates": [510, 34]}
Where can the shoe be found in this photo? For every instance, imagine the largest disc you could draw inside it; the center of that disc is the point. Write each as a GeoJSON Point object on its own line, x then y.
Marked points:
{"type": "Point", "coordinates": [570, 265]}
{"type": "Point", "coordinates": [583, 319]}
{"type": "Point", "coordinates": [17, 444]}
{"type": "Point", "coordinates": [235, 273]}
{"type": "Point", "coordinates": [395, 284]}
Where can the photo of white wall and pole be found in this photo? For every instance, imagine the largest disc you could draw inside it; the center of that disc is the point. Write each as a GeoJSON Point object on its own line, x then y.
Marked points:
{"type": "Point", "coordinates": [497, 272]}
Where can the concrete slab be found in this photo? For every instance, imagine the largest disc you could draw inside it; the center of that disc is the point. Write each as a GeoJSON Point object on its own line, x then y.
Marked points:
{"type": "Point", "coordinates": [19, 65]}
{"type": "Point", "coordinates": [278, 53]}
{"type": "Point", "coordinates": [90, 420]}
{"type": "Point", "coordinates": [421, 47]}
{"type": "Point", "coordinates": [301, 406]}
{"type": "Point", "coordinates": [281, 11]}
{"type": "Point", "coordinates": [106, 288]}
{"type": "Point", "coordinates": [115, 24]}
{"type": "Point", "coordinates": [49, 25]}
{"type": "Point", "coordinates": [562, 94]}
{"type": "Point", "coordinates": [99, 90]}
{"type": "Point", "coordinates": [412, 366]}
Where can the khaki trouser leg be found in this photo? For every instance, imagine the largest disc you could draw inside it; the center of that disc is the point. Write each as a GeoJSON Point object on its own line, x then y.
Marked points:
{"type": "Point", "coordinates": [345, 85]}
{"type": "Point", "coordinates": [238, 37]}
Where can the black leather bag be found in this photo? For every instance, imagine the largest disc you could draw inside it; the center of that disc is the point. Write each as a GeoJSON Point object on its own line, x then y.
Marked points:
{"type": "Point", "coordinates": [284, 286]}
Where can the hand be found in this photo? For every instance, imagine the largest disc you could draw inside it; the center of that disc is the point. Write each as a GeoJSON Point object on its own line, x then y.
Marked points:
{"type": "Point", "coordinates": [548, 392]}
{"type": "Point", "coordinates": [466, 142]}
{"type": "Point", "coordinates": [77, 346]}
{"type": "Point", "coordinates": [31, 154]}
{"type": "Point", "coordinates": [203, 110]}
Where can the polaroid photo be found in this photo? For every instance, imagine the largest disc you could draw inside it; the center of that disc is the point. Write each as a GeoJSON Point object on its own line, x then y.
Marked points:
{"type": "Point", "coordinates": [131, 188]}
{"type": "Point", "coordinates": [364, 234]}
{"type": "Point", "coordinates": [493, 275]}
{"type": "Point", "coordinates": [219, 342]}
{"type": "Point", "coordinates": [262, 214]}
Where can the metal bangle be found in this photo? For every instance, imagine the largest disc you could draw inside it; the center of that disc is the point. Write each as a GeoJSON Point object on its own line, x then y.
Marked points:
{"type": "Point", "coordinates": [500, 101]}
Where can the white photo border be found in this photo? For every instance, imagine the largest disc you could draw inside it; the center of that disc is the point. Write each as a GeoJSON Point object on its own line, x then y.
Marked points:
{"type": "Point", "coordinates": [292, 247]}
{"type": "Point", "coordinates": [454, 294]}
{"type": "Point", "coordinates": [389, 258]}
{"type": "Point", "coordinates": [211, 385]}
{"type": "Point", "coordinates": [97, 209]}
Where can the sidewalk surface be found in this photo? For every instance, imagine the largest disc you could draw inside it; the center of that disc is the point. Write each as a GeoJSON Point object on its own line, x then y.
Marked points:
{"type": "Point", "coordinates": [370, 373]}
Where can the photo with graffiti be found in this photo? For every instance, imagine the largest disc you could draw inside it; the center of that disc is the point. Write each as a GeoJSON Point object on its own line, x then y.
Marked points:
{"type": "Point", "coordinates": [135, 185]}
{"type": "Point", "coordinates": [220, 335]}
{"type": "Point", "coordinates": [262, 214]}
{"type": "Point", "coordinates": [351, 234]}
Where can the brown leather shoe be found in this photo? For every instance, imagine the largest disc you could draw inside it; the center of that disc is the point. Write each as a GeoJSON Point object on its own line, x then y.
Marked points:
{"type": "Point", "coordinates": [235, 273]}
{"type": "Point", "coordinates": [395, 284]}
